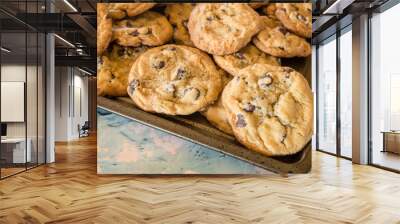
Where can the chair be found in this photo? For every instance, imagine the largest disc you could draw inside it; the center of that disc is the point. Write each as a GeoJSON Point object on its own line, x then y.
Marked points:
{"type": "Point", "coordinates": [84, 130]}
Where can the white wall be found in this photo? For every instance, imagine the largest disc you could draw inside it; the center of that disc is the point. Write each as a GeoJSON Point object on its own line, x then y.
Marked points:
{"type": "Point", "coordinates": [61, 103]}
{"type": "Point", "coordinates": [70, 84]}
{"type": "Point", "coordinates": [12, 73]}
{"type": "Point", "coordinates": [33, 127]}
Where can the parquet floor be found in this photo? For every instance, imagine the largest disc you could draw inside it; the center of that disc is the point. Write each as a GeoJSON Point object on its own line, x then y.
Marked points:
{"type": "Point", "coordinates": [69, 191]}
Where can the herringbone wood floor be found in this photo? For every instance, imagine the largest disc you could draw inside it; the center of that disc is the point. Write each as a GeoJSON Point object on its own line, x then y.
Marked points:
{"type": "Point", "coordinates": [69, 191]}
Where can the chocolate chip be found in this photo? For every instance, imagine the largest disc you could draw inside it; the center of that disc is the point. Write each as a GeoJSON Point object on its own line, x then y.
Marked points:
{"type": "Point", "coordinates": [265, 81]}
{"type": "Point", "coordinates": [194, 93]}
{"type": "Point", "coordinates": [180, 73]}
{"type": "Point", "coordinates": [248, 107]}
{"type": "Point", "coordinates": [240, 121]}
{"type": "Point", "coordinates": [112, 76]}
{"type": "Point", "coordinates": [137, 49]}
{"type": "Point", "coordinates": [135, 33]}
{"type": "Point", "coordinates": [239, 55]}
{"type": "Point", "coordinates": [283, 138]}
{"type": "Point", "coordinates": [133, 85]}
{"type": "Point", "coordinates": [283, 30]}
{"type": "Point", "coordinates": [281, 48]}
{"type": "Point", "coordinates": [159, 65]}
{"type": "Point", "coordinates": [149, 30]}
{"type": "Point", "coordinates": [210, 18]}
{"type": "Point", "coordinates": [129, 24]}
{"type": "Point", "coordinates": [121, 52]}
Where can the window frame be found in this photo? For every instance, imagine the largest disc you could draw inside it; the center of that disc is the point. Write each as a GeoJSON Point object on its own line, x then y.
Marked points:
{"type": "Point", "coordinates": [336, 38]}
{"type": "Point", "coordinates": [381, 9]}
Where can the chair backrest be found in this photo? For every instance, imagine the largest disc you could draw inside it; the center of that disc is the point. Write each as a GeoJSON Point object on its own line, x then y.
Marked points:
{"type": "Point", "coordinates": [86, 125]}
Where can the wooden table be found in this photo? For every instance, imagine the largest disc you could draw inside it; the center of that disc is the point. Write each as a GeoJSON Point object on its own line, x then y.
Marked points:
{"type": "Point", "coordinates": [391, 141]}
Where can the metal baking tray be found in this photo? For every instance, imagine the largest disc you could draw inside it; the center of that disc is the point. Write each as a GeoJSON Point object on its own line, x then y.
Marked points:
{"type": "Point", "coordinates": [197, 129]}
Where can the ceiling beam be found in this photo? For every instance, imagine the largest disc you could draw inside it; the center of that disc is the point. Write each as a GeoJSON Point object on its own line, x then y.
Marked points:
{"type": "Point", "coordinates": [86, 26]}
{"type": "Point", "coordinates": [78, 61]}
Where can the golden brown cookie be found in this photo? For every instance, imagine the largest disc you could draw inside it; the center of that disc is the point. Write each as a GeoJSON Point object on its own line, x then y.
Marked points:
{"type": "Point", "coordinates": [270, 109]}
{"type": "Point", "coordinates": [178, 15]}
{"type": "Point", "coordinates": [149, 28]}
{"type": "Point", "coordinates": [216, 114]}
{"type": "Point", "coordinates": [296, 17]}
{"type": "Point", "coordinates": [276, 40]}
{"type": "Point", "coordinates": [223, 28]}
{"type": "Point", "coordinates": [174, 80]}
{"type": "Point", "coordinates": [121, 10]}
{"type": "Point", "coordinates": [104, 28]}
{"type": "Point", "coordinates": [113, 69]}
{"type": "Point", "coordinates": [248, 55]}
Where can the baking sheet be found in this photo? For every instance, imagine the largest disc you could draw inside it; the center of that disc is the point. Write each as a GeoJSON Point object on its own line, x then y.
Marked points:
{"type": "Point", "coordinates": [196, 128]}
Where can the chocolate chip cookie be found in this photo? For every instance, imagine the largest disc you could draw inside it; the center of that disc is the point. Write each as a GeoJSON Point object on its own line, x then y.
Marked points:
{"type": "Point", "coordinates": [104, 28]}
{"type": "Point", "coordinates": [149, 28]}
{"type": "Point", "coordinates": [175, 80]}
{"type": "Point", "coordinates": [276, 40]}
{"type": "Point", "coordinates": [248, 55]}
{"type": "Point", "coordinates": [223, 28]}
{"type": "Point", "coordinates": [121, 10]}
{"type": "Point", "coordinates": [296, 17]}
{"type": "Point", "coordinates": [216, 114]}
{"type": "Point", "coordinates": [270, 109]}
{"type": "Point", "coordinates": [113, 69]}
{"type": "Point", "coordinates": [178, 15]}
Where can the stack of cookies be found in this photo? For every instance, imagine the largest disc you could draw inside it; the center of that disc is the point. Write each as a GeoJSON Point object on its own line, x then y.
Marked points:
{"type": "Point", "coordinates": [219, 59]}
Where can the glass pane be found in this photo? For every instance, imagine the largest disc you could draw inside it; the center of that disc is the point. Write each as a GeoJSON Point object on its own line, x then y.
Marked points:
{"type": "Point", "coordinates": [327, 96]}
{"type": "Point", "coordinates": [31, 98]}
{"type": "Point", "coordinates": [346, 94]}
{"type": "Point", "coordinates": [13, 87]}
{"type": "Point", "coordinates": [385, 116]}
{"type": "Point", "coordinates": [41, 99]}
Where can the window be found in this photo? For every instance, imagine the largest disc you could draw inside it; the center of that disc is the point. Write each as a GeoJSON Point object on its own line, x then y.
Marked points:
{"type": "Point", "coordinates": [385, 89]}
{"type": "Point", "coordinates": [326, 91]}
{"type": "Point", "coordinates": [346, 75]}
{"type": "Point", "coordinates": [22, 74]}
{"type": "Point", "coordinates": [334, 74]}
